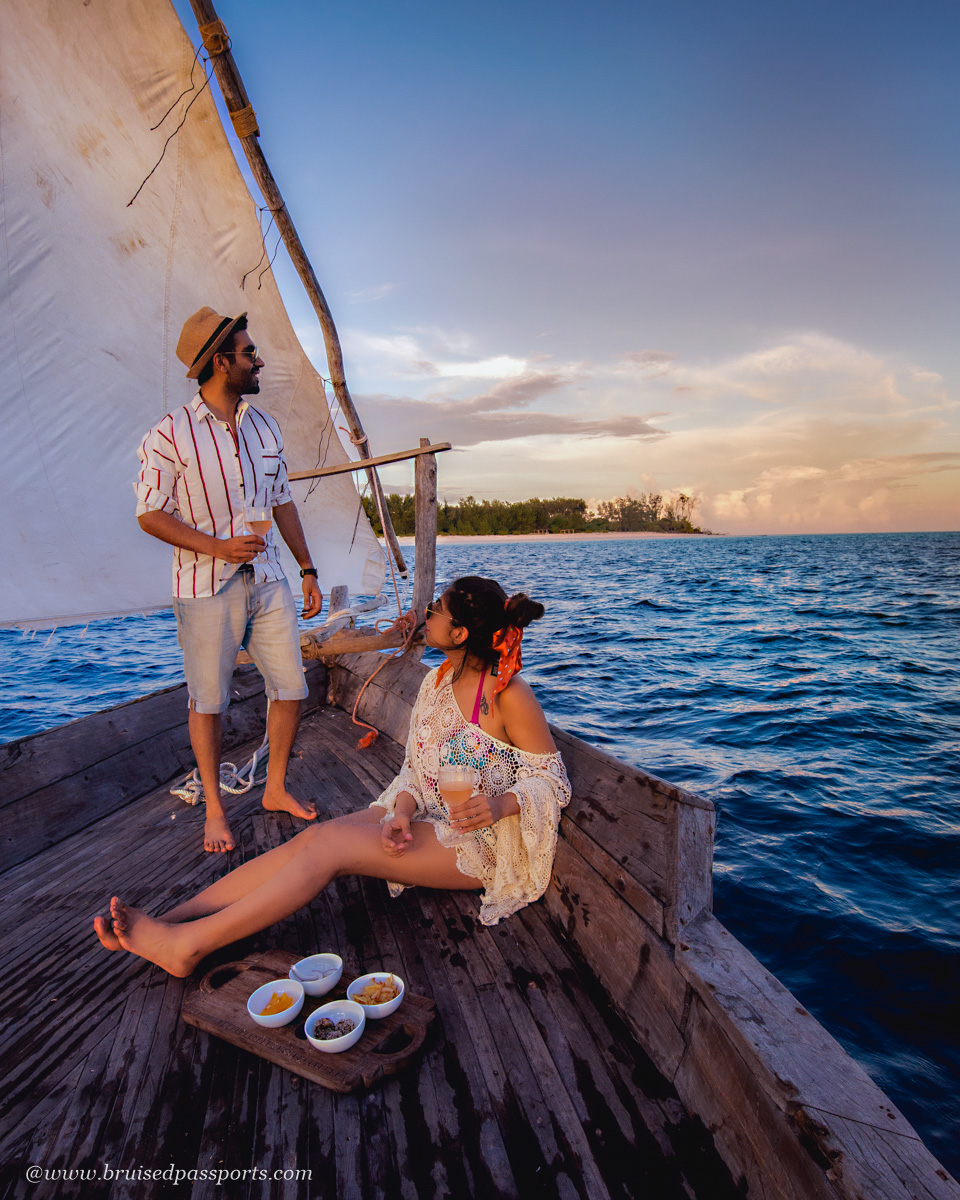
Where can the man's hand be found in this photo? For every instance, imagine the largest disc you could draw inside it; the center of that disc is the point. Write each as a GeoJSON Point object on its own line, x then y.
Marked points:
{"type": "Point", "coordinates": [242, 549]}
{"type": "Point", "coordinates": [312, 596]}
{"type": "Point", "coordinates": [395, 834]}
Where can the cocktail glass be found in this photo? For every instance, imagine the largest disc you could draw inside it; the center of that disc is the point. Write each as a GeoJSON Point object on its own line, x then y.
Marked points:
{"type": "Point", "coordinates": [456, 784]}
{"type": "Point", "coordinates": [258, 520]}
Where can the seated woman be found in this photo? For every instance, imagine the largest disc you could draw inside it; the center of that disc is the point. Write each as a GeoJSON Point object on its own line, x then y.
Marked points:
{"type": "Point", "coordinates": [502, 841]}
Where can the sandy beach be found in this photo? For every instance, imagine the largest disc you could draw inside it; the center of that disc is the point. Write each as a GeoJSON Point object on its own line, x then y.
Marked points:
{"type": "Point", "coordinates": [454, 539]}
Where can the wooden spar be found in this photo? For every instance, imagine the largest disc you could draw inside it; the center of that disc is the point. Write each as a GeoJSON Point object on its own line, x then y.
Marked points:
{"type": "Point", "coordinates": [333, 638]}
{"type": "Point", "coordinates": [217, 44]}
{"type": "Point", "coordinates": [425, 536]}
{"type": "Point", "coordinates": [341, 469]}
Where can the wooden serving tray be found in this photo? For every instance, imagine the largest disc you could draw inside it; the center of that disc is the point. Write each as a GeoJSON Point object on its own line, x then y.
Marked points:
{"type": "Point", "coordinates": [219, 1007]}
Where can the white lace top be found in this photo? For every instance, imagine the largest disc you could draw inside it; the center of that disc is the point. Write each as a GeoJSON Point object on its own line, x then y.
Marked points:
{"type": "Point", "coordinates": [513, 858]}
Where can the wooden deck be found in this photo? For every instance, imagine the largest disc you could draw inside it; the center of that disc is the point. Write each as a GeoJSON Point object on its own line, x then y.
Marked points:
{"type": "Point", "coordinates": [529, 1083]}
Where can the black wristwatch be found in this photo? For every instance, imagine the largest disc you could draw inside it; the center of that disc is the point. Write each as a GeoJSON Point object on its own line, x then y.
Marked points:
{"type": "Point", "coordinates": [309, 571]}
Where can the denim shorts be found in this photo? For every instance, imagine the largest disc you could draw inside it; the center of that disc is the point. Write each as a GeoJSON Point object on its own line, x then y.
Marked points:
{"type": "Point", "coordinates": [260, 617]}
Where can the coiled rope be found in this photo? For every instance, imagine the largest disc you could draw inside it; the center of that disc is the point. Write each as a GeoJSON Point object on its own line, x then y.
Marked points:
{"type": "Point", "coordinates": [235, 782]}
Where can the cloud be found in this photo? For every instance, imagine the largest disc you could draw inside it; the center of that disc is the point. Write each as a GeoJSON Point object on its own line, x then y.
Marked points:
{"type": "Point", "coordinates": [501, 367]}
{"type": "Point", "coordinates": [427, 353]}
{"type": "Point", "coordinates": [497, 415]}
{"type": "Point", "coordinates": [646, 358]}
{"type": "Point", "coordinates": [807, 432]}
{"type": "Point", "coordinates": [862, 493]}
{"type": "Point", "coordinates": [811, 370]}
{"type": "Point", "coordinates": [371, 294]}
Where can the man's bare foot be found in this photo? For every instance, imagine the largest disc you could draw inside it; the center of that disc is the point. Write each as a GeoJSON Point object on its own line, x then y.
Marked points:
{"type": "Point", "coordinates": [160, 943]}
{"type": "Point", "coordinates": [103, 925]}
{"type": "Point", "coordinates": [282, 801]}
{"type": "Point", "coordinates": [217, 834]}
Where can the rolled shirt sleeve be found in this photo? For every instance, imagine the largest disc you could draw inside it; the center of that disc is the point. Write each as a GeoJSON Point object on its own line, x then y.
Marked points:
{"type": "Point", "coordinates": [156, 484]}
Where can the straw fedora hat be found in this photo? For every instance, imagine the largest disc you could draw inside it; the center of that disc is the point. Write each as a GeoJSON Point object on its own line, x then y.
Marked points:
{"type": "Point", "coordinates": [202, 336]}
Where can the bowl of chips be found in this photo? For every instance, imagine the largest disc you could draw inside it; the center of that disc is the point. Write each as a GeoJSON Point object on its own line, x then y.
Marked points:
{"type": "Point", "coordinates": [276, 1003]}
{"type": "Point", "coordinates": [335, 1026]}
{"type": "Point", "coordinates": [380, 993]}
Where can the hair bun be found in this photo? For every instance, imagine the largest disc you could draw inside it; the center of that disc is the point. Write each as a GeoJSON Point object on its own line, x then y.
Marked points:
{"type": "Point", "coordinates": [521, 610]}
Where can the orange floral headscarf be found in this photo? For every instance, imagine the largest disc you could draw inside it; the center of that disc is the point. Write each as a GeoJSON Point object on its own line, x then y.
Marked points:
{"type": "Point", "coordinates": [507, 641]}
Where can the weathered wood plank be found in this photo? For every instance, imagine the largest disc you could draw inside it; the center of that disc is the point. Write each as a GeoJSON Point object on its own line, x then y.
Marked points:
{"type": "Point", "coordinates": [35, 762]}
{"type": "Point", "coordinates": [635, 965]}
{"type": "Point", "coordinates": [757, 1142]}
{"type": "Point", "coordinates": [44, 817]}
{"type": "Point", "coordinates": [797, 1061]}
{"type": "Point", "coordinates": [797, 1067]}
{"type": "Point", "coordinates": [642, 897]}
{"type": "Point", "coordinates": [425, 547]}
{"type": "Point", "coordinates": [689, 868]}
{"type": "Point", "coordinates": [521, 1045]}
{"type": "Point", "coordinates": [871, 1162]}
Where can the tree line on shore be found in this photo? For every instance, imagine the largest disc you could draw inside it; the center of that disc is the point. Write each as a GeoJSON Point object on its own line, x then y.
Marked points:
{"type": "Point", "coordinates": [646, 513]}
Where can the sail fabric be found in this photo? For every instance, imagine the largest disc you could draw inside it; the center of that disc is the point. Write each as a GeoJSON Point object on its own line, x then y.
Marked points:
{"type": "Point", "coordinates": [93, 295]}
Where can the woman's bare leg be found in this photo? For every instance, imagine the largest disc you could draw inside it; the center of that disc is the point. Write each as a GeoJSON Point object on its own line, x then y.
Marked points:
{"type": "Point", "coordinates": [233, 886]}
{"type": "Point", "coordinates": [236, 883]}
{"type": "Point", "coordinates": [339, 847]}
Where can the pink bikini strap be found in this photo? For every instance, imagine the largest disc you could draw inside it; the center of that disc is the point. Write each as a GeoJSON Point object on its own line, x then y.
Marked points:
{"type": "Point", "coordinates": [475, 719]}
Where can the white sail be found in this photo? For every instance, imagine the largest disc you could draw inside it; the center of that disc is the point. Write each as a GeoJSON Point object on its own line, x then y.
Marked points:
{"type": "Point", "coordinates": [92, 297]}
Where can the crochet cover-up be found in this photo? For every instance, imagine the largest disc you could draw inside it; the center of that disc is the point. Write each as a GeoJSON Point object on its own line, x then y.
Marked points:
{"type": "Point", "coordinates": [512, 858]}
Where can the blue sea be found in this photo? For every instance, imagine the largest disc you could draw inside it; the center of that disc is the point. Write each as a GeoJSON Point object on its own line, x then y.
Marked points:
{"type": "Point", "coordinates": [807, 685]}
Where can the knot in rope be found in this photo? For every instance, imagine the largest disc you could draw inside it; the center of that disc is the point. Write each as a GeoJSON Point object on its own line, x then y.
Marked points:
{"type": "Point", "coordinates": [216, 40]}
{"type": "Point", "coordinates": [357, 439]}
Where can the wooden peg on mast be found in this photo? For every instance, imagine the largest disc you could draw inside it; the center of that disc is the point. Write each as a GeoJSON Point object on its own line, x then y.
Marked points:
{"type": "Point", "coordinates": [217, 44]}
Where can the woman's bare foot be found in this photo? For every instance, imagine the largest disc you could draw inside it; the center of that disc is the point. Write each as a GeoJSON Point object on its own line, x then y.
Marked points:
{"type": "Point", "coordinates": [103, 925]}
{"type": "Point", "coordinates": [282, 801]}
{"type": "Point", "coordinates": [217, 834]}
{"type": "Point", "coordinates": [166, 945]}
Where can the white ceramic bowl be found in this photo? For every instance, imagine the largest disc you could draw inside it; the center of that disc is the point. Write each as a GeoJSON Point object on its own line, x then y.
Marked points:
{"type": "Point", "coordinates": [261, 998]}
{"type": "Point", "coordinates": [331, 964]}
{"type": "Point", "coordinates": [376, 1011]}
{"type": "Point", "coordinates": [336, 1010]}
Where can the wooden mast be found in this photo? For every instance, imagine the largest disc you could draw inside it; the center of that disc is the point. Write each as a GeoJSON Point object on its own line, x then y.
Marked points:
{"type": "Point", "coordinates": [216, 42]}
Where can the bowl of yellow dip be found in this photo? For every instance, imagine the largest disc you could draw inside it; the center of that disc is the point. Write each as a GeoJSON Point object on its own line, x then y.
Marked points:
{"type": "Point", "coordinates": [276, 1003]}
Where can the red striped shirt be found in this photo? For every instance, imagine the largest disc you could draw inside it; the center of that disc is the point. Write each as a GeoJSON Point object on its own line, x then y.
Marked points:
{"type": "Point", "coordinates": [191, 466]}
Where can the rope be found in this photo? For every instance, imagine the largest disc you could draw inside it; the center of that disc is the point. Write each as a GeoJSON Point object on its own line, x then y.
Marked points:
{"type": "Point", "coordinates": [234, 781]}
{"type": "Point", "coordinates": [216, 40]}
{"type": "Point", "coordinates": [369, 738]}
{"type": "Point", "coordinates": [245, 122]}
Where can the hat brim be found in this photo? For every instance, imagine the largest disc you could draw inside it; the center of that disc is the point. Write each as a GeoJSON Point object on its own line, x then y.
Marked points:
{"type": "Point", "coordinates": [207, 353]}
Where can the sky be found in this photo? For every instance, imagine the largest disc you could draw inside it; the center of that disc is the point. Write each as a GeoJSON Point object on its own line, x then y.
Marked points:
{"type": "Point", "coordinates": [608, 248]}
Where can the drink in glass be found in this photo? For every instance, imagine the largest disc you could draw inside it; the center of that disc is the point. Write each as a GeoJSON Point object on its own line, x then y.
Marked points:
{"type": "Point", "coordinates": [457, 784]}
{"type": "Point", "coordinates": [258, 520]}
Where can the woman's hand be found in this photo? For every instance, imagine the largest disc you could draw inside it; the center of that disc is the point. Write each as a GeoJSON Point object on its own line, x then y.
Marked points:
{"type": "Point", "coordinates": [395, 834]}
{"type": "Point", "coordinates": [482, 810]}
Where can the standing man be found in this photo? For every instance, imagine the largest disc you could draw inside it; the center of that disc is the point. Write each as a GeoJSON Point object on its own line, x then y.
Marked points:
{"type": "Point", "coordinates": [200, 467]}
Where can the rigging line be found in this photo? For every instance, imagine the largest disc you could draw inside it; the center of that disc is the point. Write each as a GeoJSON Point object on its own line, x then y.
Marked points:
{"type": "Point", "coordinates": [170, 139]}
{"type": "Point", "coordinates": [276, 251]}
{"type": "Point", "coordinates": [322, 451]}
{"type": "Point", "coordinates": [329, 425]}
{"type": "Point", "coordinates": [192, 87]}
{"type": "Point", "coordinates": [263, 242]}
{"type": "Point", "coordinates": [377, 494]}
